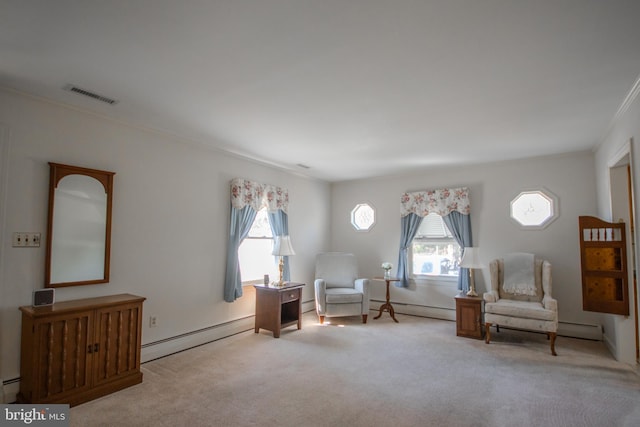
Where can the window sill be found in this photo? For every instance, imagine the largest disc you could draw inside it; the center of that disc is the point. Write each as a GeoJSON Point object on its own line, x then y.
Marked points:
{"type": "Point", "coordinates": [252, 282]}
{"type": "Point", "coordinates": [447, 281]}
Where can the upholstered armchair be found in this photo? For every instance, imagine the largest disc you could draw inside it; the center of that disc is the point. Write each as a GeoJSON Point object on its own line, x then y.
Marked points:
{"type": "Point", "coordinates": [520, 296]}
{"type": "Point", "coordinates": [338, 290]}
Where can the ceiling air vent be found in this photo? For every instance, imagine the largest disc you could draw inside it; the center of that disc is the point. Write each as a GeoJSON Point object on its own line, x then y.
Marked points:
{"type": "Point", "coordinates": [76, 89]}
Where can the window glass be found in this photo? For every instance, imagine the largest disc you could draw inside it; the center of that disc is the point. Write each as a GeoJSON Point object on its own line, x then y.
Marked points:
{"type": "Point", "coordinates": [255, 252]}
{"type": "Point", "coordinates": [534, 209]}
{"type": "Point", "coordinates": [434, 251]}
{"type": "Point", "coordinates": [363, 217]}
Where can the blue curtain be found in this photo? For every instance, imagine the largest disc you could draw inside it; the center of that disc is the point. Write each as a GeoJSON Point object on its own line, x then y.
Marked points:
{"type": "Point", "coordinates": [409, 225]}
{"type": "Point", "coordinates": [279, 223]}
{"type": "Point", "coordinates": [460, 226]}
{"type": "Point", "coordinates": [241, 221]}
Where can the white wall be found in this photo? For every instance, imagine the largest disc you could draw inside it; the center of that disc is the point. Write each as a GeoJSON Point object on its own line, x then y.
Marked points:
{"type": "Point", "coordinates": [170, 219]}
{"type": "Point", "coordinates": [622, 138]}
{"type": "Point", "coordinates": [492, 186]}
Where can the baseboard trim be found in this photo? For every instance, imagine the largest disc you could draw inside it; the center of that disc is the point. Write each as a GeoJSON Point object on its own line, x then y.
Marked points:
{"type": "Point", "coordinates": [609, 344]}
{"type": "Point", "coordinates": [566, 329]}
{"type": "Point", "coordinates": [176, 344]}
{"type": "Point", "coordinates": [418, 310]}
{"type": "Point", "coordinates": [10, 389]}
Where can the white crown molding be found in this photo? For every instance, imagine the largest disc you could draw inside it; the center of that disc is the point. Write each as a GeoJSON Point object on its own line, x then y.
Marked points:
{"type": "Point", "coordinates": [624, 107]}
{"type": "Point", "coordinates": [628, 100]}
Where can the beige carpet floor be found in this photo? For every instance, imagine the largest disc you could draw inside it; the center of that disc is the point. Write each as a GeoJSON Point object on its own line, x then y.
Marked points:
{"type": "Point", "coordinates": [412, 373]}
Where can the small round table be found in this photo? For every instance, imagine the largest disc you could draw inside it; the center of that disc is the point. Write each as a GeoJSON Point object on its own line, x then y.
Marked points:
{"type": "Point", "coordinates": [387, 305]}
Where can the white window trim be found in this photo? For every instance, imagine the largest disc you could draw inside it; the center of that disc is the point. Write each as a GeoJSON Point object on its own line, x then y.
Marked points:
{"type": "Point", "coordinates": [353, 213]}
{"type": "Point", "coordinates": [552, 198]}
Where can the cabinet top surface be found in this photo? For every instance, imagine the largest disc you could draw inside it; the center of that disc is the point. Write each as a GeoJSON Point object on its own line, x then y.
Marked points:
{"type": "Point", "coordinates": [467, 297]}
{"type": "Point", "coordinates": [83, 304]}
{"type": "Point", "coordinates": [286, 286]}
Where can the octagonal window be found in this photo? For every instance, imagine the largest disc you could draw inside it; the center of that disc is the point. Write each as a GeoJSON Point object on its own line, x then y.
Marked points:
{"type": "Point", "coordinates": [363, 217]}
{"type": "Point", "coordinates": [534, 209]}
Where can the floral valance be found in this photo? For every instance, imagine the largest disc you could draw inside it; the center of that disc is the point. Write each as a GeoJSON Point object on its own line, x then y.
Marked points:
{"type": "Point", "coordinates": [257, 195]}
{"type": "Point", "coordinates": [442, 202]}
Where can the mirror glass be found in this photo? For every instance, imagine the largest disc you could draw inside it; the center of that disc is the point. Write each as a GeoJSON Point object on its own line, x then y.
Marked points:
{"type": "Point", "coordinates": [79, 226]}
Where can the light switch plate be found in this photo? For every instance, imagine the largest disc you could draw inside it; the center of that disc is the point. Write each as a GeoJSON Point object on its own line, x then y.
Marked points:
{"type": "Point", "coordinates": [26, 240]}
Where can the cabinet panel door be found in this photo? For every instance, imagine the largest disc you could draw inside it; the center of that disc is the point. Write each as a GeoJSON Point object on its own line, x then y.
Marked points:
{"type": "Point", "coordinates": [63, 354]}
{"type": "Point", "coordinates": [118, 332]}
{"type": "Point", "coordinates": [603, 258]}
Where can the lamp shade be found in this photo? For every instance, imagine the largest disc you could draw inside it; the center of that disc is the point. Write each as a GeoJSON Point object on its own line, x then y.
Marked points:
{"type": "Point", "coordinates": [282, 246]}
{"type": "Point", "coordinates": [471, 258]}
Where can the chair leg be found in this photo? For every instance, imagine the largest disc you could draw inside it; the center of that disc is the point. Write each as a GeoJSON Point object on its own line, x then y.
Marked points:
{"type": "Point", "coordinates": [487, 329]}
{"type": "Point", "coordinates": [552, 339]}
{"type": "Point", "coordinates": [497, 328]}
{"type": "Point", "coordinates": [321, 319]}
{"type": "Point", "coordinates": [364, 318]}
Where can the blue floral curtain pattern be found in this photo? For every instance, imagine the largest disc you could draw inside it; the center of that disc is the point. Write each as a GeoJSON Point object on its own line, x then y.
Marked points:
{"type": "Point", "coordinates": [247, 198]}
{"type": "Point", "coordinates": [452, 204]}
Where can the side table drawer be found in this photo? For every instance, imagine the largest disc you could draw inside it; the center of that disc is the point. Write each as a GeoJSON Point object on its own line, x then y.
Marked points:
{"type": "Point", "coordinates": [291, 295]}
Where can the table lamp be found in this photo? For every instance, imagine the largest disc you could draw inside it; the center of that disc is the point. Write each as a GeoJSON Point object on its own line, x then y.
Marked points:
{"type": "Point", "coordinates": [282, 248]}
{"type": "Point", "coordinates": [471, 260]}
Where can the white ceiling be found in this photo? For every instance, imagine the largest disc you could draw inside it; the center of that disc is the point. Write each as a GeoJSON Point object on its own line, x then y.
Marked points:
{"type": "Point", "coordinates": [350, 88]}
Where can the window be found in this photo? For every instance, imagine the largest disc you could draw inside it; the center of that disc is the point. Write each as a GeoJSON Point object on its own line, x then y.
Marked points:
{"type": "Point", "coordinates": [534, 209]}
{"type": "Point", "coordinates": [255, 252]}
{"type": "Point", "coordinates": [434, 251]}
{"type": "Point", "coordinates": [363, 217]}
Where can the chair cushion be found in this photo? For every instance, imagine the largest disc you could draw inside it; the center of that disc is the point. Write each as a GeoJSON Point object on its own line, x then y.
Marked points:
{"type": "Point", "coordinates": [337, 269]}
{"type": "Point", "coordinates": [521, 309]}
{"type": "Point", "coordinates": [342, 295]}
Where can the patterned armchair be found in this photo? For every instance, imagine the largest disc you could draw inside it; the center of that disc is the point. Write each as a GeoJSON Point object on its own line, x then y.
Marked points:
{"type": "Point", "coordinates": [520, 296]}
{"type": "Point", "coordinates": [338, 290]}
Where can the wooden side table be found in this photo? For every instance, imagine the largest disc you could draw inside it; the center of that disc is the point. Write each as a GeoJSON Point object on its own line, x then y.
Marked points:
{"type": "Point", "coordinates": [278, 307]}
{"type": "Point", "coordinates": [387, 305]}
{"type": "Point", "coordinates": [469, 316]}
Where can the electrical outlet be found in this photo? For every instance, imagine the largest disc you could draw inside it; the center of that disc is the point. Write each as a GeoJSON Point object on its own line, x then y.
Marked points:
{"type": "Point", "coordinates": [153, 321]}
{"type": "Point", "coordinates": [26, 240]}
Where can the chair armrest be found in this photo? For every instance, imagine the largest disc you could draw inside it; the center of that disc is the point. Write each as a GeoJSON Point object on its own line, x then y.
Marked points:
{"type": "Point", "coordinates": [491, 296]}
{"type": "Point", "coordinates": [546, 278]}
{"type": "Point", "coordinates": [362, 285]}
{"type": "Point", "coordinates": [550, 303]}
{"type": "Point", "coordinates": [320, 287]}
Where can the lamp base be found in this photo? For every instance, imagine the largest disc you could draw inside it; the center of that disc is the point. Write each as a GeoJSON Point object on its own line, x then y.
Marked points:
{"type": "Point", "coordinates": [472, 285]}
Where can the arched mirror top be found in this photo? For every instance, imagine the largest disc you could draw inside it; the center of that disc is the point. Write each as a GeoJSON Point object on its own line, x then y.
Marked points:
{"type": "Point", "coordinates": [59, 171]}
{"type": "Point", "coordinates": [79, 226]}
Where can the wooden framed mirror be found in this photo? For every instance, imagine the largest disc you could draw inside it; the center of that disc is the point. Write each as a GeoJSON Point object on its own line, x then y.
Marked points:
{"type": "Point", "coordinates": [79, 226]}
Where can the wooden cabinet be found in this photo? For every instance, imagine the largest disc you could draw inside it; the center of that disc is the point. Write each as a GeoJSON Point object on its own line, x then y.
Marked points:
{"type": "Point", "coordinates": [278, 307]}
{"type": "Point", "coordinates": [468, 316]}
{"type": "Point", "coordinates": [75, 351]}
{"type": "Point", "coordinates": [603, 258]}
